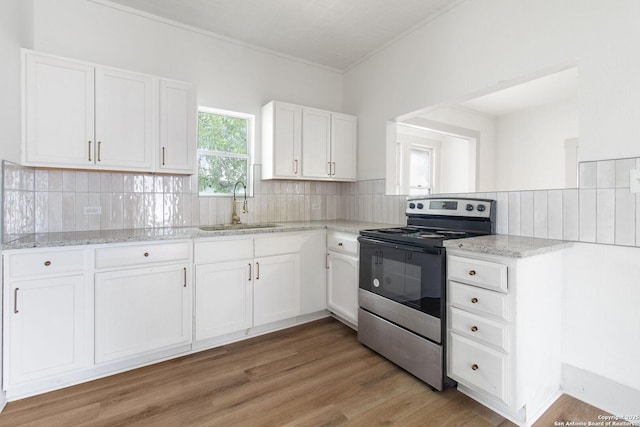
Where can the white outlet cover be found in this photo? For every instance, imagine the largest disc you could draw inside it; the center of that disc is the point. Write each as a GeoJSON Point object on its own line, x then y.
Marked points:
{"type": "Point", "coordinates": [634, 180]}
{"type": "Point", "coordinates": [92, 210]}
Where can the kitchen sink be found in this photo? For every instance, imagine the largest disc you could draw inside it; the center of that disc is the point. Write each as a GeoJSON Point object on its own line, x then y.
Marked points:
{"type": "Point", "coordinates": [222, 227]}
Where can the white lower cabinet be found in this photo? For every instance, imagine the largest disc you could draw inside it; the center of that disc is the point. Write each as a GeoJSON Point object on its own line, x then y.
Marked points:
{"type": "Point", "coordinates": [342, 277]}
{"type": "Point", "coordinates": [504, 342]}
{"type": "Point", "coordinates": [141, 310]}
{"type": "Point", "coordinates": [276, 289]}
{"type": "Point", "coordinates": [44, 315]}
{"type": "Point", "coordinates": [224, 300]}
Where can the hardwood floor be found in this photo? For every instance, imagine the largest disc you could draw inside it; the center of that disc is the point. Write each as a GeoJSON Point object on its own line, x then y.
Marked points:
{"type": "Point", "coordinates": [311, 375]}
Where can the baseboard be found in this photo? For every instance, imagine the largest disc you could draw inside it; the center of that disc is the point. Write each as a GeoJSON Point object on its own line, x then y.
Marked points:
{"type": "Point", "coordinates": [603, 393]}
{"type": "Point", "coordinates": [3, 400]}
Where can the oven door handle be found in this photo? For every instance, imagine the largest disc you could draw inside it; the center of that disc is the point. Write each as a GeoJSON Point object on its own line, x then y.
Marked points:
{"type": "Point", "coordinates": [431, 251]}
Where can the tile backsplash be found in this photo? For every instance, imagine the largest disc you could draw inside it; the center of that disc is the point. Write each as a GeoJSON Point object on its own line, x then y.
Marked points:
{"type": "Point", "coordinates": [602, 210]}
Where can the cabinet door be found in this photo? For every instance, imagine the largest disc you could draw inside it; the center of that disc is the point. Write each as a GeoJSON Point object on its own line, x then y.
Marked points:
{"type": "Point", "coordinates": [141, 310]}
{"type": "Point", "coordinates": [342, 286]}
{"type": "Point", "coordinates": [45, 334]}
{"type": "Point", "coordinates": [224, 300]}
{"type": "Point", "coordinates": [344, 140]}
{"type": "Point", "coordinates": [177, 127]}
{"type": "Point", "coordinates": [276, 289]}
{"type": "Point", "coordinates": [59, 110]}
{"type": "Point", "coordinates": [124, 118]}
{"type": "Point", "coordinates": [287, 134]}
{"type": "Point", "coordinates": [316, 144]}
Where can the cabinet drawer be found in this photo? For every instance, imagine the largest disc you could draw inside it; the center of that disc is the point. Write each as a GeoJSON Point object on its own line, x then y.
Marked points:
{"type": "Point", "coordinates": [143, 254]}
{"type": "Point", "coordinates": [485, 274]}
{"type": "Point", "coordinates": [342, 242]}
{"type": "Point", "coordinates": [31, 264]}
{"type": "Point", "coordinates": [479, 367]}
{"type": "Point", "coordinates": [225, 250]}
{"type": "Point", "coordinates": [481, 329]}
{"type": "Point", "coordinates": [478, 300]}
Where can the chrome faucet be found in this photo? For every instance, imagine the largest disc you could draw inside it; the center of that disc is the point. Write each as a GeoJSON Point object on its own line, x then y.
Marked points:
{"type": "Point", "coordinates": [235, 218]}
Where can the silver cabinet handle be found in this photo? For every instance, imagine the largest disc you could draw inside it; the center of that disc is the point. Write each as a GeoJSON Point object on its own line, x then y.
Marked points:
{"type": "Point", "coordinates": [249, 271]}
{"type": "Point", "coordinates": [329, 164]}
{"type": "Point", "coordinates": [295, 166]}
{"type": "Point", "coordinates": [15, 300]}
{"type": "Point", "coordinates": [99, 145]}
{"type": "Point", "coordinates": [334, 168]}
{"type": "Point", "coordinates": [326, 261]}
{"type": "Point", "coordinates": [162, 156]}
{"type": "Point", "coordinates": [257, 270]}
{"type": "Point", "coordinates": [89, 150]}
{"type": "Point", "coordinates": [185, 276]}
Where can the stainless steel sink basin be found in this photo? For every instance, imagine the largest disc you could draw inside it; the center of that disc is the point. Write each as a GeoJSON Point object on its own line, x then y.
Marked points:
{"type": "Point", "coordinates": [222, 227]}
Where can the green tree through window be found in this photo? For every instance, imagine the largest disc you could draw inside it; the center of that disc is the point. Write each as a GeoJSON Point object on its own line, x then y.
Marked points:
{"type": "Point", "coordinates": [224, 139]}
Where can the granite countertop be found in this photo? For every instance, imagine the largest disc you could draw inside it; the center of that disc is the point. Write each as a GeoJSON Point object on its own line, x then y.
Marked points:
{"type": "Point", "coordinates": [508, 246]}
{"type": "Point", "coordinates": [74, 238]}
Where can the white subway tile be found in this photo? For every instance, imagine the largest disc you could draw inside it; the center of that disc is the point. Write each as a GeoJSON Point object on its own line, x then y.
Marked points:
{"type": "Point", "coordinates": [625, 223]}
{"type": "Point", "coordinates": [514, 213]}
{"type": "Point", "coordinates": [540, 214]}
{"type": "Point", "coordinates": [68, 211]}
{"type": "Point", "coordinates": [526, 213]}
{"type": "Point", "coordinates": [42, 211]}
{"type": "Point", "coordinates": [502, 213]}
{"type": "Point", "coordinates": [554, 210]}
{"type": "Point", "coordinates": [605, 215]}
{"type": "Point", "coordinates": [588, 173]}
{"type": "Point", "coordinates": [42, 180]}
{"type": "Point", "coordinates": [68, 181]}
{"type": "Point", "coordinates": [587, 212]}
{"type": "Point", "coordinates": [94, 182]}
{"type": "Point", "coordinates": [82, 200]}
{"type": "Point", "coordinates": [54, 219]}
{"type": "Point", "coordinates": [105, 205]}
{"type": "Point", "coordinates": [606, 174]}
{"type": "Point", "coordinates": [117, 210]}
{"type": "Point", "coordinates": [623, 166]}
{"type": "Point", "coordinates": [117, 182]}
{"type": "Point", "coordinates": [570, 215]}
{"type": "Point", "coordinates": [55, 180]}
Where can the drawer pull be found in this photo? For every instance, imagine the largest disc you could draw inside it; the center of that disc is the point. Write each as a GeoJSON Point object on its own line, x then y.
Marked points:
{"type": "Point", "coordinates": [146, 254]}
{"type": "Point", "coordinates": [472, 273]}
{"type": "Point", "coordinates": [474, 367]}
{"type": "Point", "coordinates": [185, 276]}
{"type": "Point", "coordinates": [47, 263]}
{"type": "Point", "coordinates": [474, 300]}
{"type": "Point", "coordinates": [474, 329]}
{"type": "Point", "coordinates": [340, 244]}
{"type": "Point", "coordinates": [15, 300]}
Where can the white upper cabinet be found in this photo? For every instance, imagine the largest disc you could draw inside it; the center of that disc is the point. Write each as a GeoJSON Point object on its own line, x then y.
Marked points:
{"type": "Point", "coordinates": [281, 140]}
{"type": "Point", "coordinates": [124, 119]}
{"type": "Point", "coordinates": [307, 143]}
{"type": "Point", "coordinates": [81, 115]}
{"type": "Point", "coordinates": [58, 112]}
{"type": "Point", "coordinates": [177, 127]}
{"type": "Point", "coordinates": [344, 136]}
{"type": "Point", "coordinates": [316, 137]}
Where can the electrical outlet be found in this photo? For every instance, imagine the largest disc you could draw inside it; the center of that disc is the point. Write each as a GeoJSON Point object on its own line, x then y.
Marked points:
{"type": "Point", "coordinates": [634, 180]}
{"type": "Point", "coordinates": [92, 210]}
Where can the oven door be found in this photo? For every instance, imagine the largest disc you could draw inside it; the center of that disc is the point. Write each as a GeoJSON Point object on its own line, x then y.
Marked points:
{"type": "Point", "coordinates": [410, 275]}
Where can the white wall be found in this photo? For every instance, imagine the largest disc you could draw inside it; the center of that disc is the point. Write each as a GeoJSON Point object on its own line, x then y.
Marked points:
{"type": "Point", "coordinates": [227, 75]}
{"type": "Point", "coordinates": [481, 43]}
{"type": "Point", "coordinates": [530, 147]}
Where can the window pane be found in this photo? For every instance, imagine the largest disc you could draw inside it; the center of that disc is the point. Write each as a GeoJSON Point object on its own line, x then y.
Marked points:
{"type": "Point", "coordinates": [217, 174]}
{"type": "Point", "coordinates": [222, 133]}
{"type": "Point", "coordinates": [420, 169]}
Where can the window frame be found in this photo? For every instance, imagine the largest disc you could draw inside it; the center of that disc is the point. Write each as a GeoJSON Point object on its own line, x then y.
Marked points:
{"type": "Point", "coordinates": [251, 120]}
{"type": "Point", "coordinates": [419, 191]}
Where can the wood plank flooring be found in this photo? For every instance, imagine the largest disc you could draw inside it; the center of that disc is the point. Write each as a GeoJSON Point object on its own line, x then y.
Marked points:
{"type": "Point", "coordinates": [312, 375]}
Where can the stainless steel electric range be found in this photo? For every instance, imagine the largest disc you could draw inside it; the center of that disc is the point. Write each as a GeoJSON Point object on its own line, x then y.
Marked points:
{"type": "Point", "coordinates": [402, 282]}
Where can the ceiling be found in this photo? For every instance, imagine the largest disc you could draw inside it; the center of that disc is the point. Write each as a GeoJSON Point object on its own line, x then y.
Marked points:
{"type": "Point", "coordinates": [551, 89]}
{"type": "Point", "coordinates": [333, 33]}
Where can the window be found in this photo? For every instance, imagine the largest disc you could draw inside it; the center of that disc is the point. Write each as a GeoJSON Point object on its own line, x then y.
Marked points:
{"type": "Point", "coordinates": [420, 170]}
{"type": "Point", "coordinates": [224, 142]}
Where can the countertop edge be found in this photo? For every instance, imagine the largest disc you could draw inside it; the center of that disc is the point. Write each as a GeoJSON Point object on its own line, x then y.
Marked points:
{"type": "Point", "coordinates": [508, 246]}
{"type": "Point", "coordinates": [87, 238]}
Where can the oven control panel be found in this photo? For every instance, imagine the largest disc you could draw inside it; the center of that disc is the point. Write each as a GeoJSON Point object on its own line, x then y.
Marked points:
{"type": "Point", "coordinates": [477, 208]}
